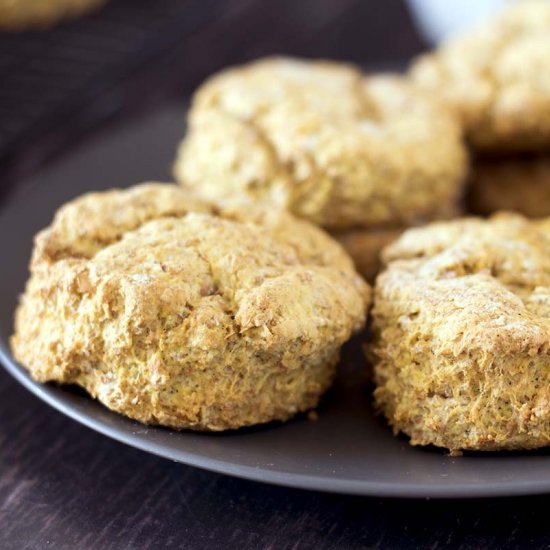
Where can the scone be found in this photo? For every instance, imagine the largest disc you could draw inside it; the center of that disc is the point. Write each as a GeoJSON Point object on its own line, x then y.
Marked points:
{"type": "Point", "coordinates": [174, 312]}
{"type": "Point", "coordinates": [358, 156]}
{"type": "Point", "coordinates": [365, 246]}
{"type": "Point", "coordinates": [518, 183]}
{"type": "Point", "coordinates": [497, 78]}
{"type": "Point", "coordinates": [324, 142]}
{"type": "Point", "coordinates": [461, 334]}
{"type": "Point", "coordinates": [22, 14]}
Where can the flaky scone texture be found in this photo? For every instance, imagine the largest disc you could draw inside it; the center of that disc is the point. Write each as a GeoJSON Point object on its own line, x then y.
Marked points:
{"type": "Point", "coordinates": [515, 183]}
{"type": "Point", "coordinates": [461, 329]}
{"type": "Point", "coordinates": [22, 14]}
{"type": "Point", "coordinates": [175, 312]}
{"type": "Point", "coordinates": [323, 141]}
{"type": "Point", "coordinates": [497, 78]}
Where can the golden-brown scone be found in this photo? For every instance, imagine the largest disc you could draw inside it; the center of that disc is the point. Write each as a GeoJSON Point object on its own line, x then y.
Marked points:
{"type": "Point", "coordinates": [175, 312]}
{"type": "Point", "coordinates": [323, 141]}
{"type": "Point", "coordinates": [520, 184]}
{"type": "Point", "coordinates": [497, 79]}
{"type": "Point", "coordinates": [365, 245]}
{"type": "Point", "coordinates": [461, 328]}
{"type": "Point", "coordinates": [22, 14]}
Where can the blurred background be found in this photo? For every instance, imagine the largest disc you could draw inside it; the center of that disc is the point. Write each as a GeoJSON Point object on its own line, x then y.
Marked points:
{"type": "Point", "coordinates": [72, 67]}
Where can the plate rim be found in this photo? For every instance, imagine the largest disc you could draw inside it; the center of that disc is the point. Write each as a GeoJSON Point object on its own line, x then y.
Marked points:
{"type": "Point", "coordinates": [125, 436]}
{"type": "Point", "coordinates": [127, 431]}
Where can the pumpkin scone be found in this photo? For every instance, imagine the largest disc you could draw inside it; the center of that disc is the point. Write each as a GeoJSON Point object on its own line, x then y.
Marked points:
{"type": "Point", "coordinates": [174, 312]}
{"type": "Point", "coordinates": [518, 183]}
{"type": "Point", "coordinates": [325, 142]}
{"type": "Point", "coordinates": [461, 334]}
{"type": "Point", "coordinates": [23, 14]}
{"type": "Point", "coordinates": [497, 78]}
{"type": "Point", "coordinates": [365, 246]}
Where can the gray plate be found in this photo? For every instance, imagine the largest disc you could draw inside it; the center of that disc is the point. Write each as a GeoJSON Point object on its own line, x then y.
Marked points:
{"type": "Point", "coordinates": [347, 450]}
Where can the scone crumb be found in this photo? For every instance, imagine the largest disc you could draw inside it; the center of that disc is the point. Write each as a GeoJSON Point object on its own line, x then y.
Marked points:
{"type": "Point", "coordinates": [312, 415]}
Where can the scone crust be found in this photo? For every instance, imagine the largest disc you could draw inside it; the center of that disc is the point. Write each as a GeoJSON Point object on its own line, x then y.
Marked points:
{"type": "Point", "coordinates": [22, 14]}
{"type": "Point", "coordinates": [323, 141]}
{"type": "Point", "coordinates": [461, 329]}
{"type": "Point", "coordinates": [496, 79]}
{"type": "Point", "coordinates": [175, 312]}
{"type": "Point", "coordinates": [517, 183]}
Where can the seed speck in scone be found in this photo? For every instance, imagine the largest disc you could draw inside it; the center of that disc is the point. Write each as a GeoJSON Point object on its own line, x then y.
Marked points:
{"type": "Point", "coordinates": [461, 334]}
{"type": "Point", "coordinates": [174, 312]}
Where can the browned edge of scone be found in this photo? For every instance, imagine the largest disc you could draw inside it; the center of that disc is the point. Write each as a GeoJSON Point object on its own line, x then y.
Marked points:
{"type": "Point", "coordinates": [173, 311]}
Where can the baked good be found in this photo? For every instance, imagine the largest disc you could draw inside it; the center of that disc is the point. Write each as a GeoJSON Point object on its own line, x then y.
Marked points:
{"type": "Point", "coordinates": [23, 14]}
{"type": "Point", "coordinates": [496, 78]}
{"type": "Point", "coordinates": [461, 334]}
{"type": "Point", "coordinates": [321, 140]}
{"type": "Point", "coordinates": [172, 311]}
{"type": "Point", "coordinates": [365, 246]}
{"type": "Point", "coordinates": [518, 183]}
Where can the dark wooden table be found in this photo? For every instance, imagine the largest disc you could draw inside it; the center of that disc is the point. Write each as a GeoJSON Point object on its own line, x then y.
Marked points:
{"type": "Point", "coordinates": [63, 486]}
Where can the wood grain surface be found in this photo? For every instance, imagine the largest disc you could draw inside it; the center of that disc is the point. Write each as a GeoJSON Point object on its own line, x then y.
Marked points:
{"type": "Point", "coordinates": [62, 84]}
{"type": "Point", "coordinates": [62, 485]}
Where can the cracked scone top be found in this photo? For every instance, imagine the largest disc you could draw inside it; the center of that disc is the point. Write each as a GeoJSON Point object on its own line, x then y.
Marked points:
{"type": "Point", "coordinates": [323, 141]}
{"type": "Point", "coordinates": [497, 78]}
{"type": "Point", "coordinates": [174, 312]}
{"type": "Point", "coordinates": [461, 334]}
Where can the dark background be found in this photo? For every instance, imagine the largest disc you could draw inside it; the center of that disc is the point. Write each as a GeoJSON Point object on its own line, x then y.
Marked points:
{"type": "Point", "coordinates": [63, 486]}
{"type": "Point", "coordinates": [59, 85]}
